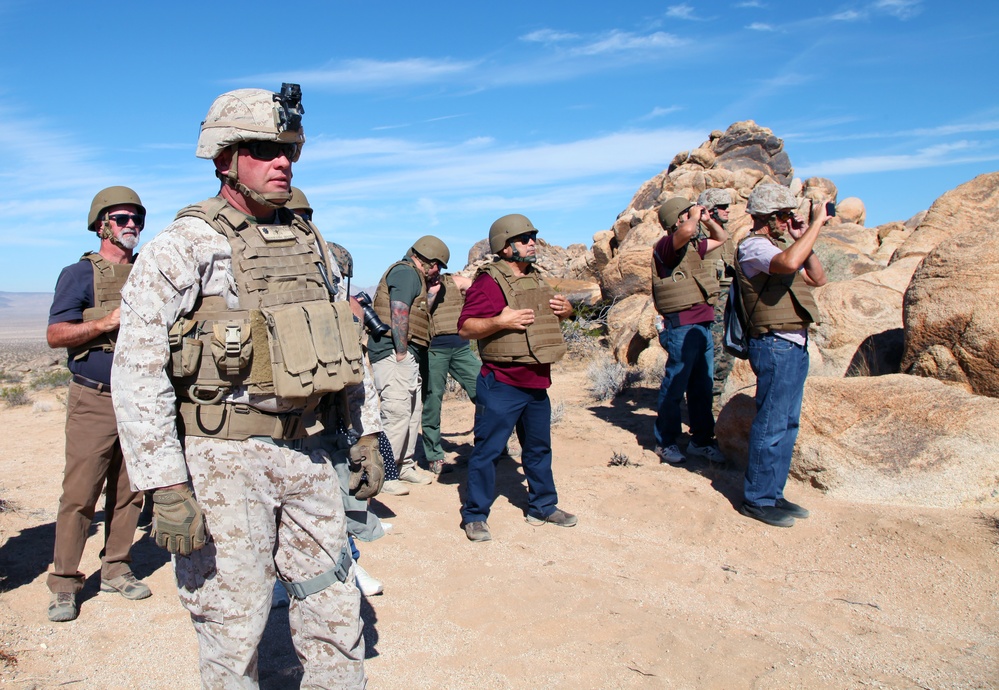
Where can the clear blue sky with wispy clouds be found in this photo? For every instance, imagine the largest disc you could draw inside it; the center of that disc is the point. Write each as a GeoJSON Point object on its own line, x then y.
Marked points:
{"type": "Point", "coordinates": [439, 117]}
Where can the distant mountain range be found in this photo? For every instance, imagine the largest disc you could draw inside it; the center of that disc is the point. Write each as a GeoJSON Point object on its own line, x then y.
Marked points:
{"type": "Point", "coordinates": [24, 315]}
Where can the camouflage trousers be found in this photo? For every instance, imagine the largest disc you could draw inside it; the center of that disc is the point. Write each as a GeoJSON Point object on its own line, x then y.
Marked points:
{"type": "Point", "coordinates": [723, 360]}
{"type": "Point", "coordinates": [271, 511]}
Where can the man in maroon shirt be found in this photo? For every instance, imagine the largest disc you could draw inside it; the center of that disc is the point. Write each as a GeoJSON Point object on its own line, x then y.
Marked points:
{"type": "Point", "coordinates": [514, 315]}
{"type": "Point", "coordinates": [685, 288]}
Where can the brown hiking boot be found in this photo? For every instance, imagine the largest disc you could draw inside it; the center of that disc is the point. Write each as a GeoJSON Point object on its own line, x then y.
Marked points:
{"type": "Point", "coordinates": [127, 586]}
{"type": "Point", "coordinates": [63, 608]}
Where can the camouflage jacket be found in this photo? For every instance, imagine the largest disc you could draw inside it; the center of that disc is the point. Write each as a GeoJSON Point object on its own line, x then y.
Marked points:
{"type": "Point", "coordinates": [186, 260]}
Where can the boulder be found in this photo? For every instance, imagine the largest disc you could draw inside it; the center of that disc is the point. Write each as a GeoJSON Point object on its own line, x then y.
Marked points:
{"type": "Point", "coordinates": [894, 439]}
{"type": "Point", "coordinates": [851, 210]}
{"type": "Point", "coordinates": [950, 315]}
{"type": "Point", "coordinates": [577, 291]}
{"type": "Point", "coordinates": [623, 327]}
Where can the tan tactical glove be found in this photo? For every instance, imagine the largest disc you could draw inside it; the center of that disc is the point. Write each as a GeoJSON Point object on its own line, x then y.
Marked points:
{"type": "Point", "coordinates": [367, 472]}
{"type": "Point", "coordinates": [178, 525]}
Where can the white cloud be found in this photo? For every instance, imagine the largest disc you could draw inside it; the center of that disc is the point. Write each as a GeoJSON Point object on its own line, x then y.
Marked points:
{"type": "Point", "coordinates": [659, 112]}
{"type": "Point", "coordinates": [847, 16]}
{"type": "Point", "coordinates": [624, 41]}
{"type": "Point", "coordinates": [750, 4]}
{"type": "Point", "coordinates": [364, 74]}
{"type": "Point", "coordinates": [548, 36]}
{"type": "Point", "coordinates": [902, 9]}
{"type": "Point", "coordinates": [680, 12]}
{"type": "Point", "coordinates": [760, 26]}
{"type": "Point", "coordinates": [930, 157]}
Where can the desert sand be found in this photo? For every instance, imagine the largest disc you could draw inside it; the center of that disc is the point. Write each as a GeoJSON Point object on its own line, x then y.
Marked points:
{"type": "Point", "coordinates": [661, 585]}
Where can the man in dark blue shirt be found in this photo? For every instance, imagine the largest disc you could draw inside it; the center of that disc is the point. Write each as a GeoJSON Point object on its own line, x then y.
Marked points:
{"type": "Point", "coordinates": [84, 319]}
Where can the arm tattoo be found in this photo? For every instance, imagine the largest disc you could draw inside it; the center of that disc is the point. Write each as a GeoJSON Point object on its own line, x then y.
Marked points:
{"type": "Point", "coordinates": [400, 325]}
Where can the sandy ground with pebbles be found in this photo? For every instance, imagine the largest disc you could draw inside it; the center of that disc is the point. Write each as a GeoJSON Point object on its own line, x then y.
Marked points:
{"type": "Point", "coordinates": [661, 585]}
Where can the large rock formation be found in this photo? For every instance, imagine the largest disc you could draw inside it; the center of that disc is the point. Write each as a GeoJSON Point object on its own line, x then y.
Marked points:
{"type": "Point", "coordinates": [950, 313]}
{"type": "Point", "coordinates": [891, 439]}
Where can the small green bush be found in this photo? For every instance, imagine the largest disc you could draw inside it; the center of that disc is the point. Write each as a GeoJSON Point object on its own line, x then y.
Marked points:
{"type": "Point", "coordinates": [56, 378]}
{"type": "Point", "coordinates": [15, 396]}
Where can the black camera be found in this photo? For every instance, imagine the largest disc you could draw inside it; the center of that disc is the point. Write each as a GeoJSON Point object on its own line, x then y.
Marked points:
{"type": "Point", "coordinates": [374, 325]}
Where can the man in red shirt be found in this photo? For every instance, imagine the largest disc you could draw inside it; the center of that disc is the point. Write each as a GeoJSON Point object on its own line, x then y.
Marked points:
{"type": "Point", "coordinates": [514, 315]}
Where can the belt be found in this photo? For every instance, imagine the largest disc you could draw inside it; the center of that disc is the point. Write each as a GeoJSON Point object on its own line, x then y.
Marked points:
{"type": "Point", "coordinates": [90, 383]}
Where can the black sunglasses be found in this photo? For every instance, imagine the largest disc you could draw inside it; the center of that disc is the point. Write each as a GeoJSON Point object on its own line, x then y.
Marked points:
{"type": "Point", "coordinates": [304, 215]}
{"type": "Point", "coordinates": [269, 150]}
{"type": "Point", "coordinates": [525, 237]}
{"type": "Point", "coordinates": [121, 219]}
{"type": "Point", "coordinates": [784, 215]}
{"type": "Point", "coordinates": [721, 207]}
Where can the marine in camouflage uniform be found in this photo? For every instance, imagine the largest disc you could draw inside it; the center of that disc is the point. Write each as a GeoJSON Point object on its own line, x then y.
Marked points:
{"type": "Point", "coordinates": [268, 505]}
{"type": "Point", "coordinates": [716, 203]}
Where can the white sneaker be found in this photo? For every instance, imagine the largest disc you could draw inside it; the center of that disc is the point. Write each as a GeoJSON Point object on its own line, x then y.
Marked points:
{"type": "Point", "coordinates": [710, 452]}
{"type": "Point", "coordinates": [671, 454]}
{"type": "Point", "coordinates": [368, 585]}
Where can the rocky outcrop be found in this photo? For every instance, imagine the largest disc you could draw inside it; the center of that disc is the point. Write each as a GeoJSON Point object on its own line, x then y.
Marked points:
{"type": "Point", "coordinates": [950, 313]}
{"type": "Point", "coordinates": [891, 439]}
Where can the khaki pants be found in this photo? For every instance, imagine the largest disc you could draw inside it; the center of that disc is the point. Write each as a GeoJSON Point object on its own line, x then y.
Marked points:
{"type": "Point", "coordinates": [93, 458]}
{"type": "Point", "coordinates": [399, 385]}
{"type": "Point", "coordinates": [271, 511]}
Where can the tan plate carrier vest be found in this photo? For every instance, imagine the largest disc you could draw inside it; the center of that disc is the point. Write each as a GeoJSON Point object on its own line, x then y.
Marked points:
{"type": "Point", "coordinates": [776, 302]}
{"type": "Point", "coordinates": [286, 338]}
{"type": "Point", "coordinates": [419, 320]}
{"type": "Point", "coordinates": [446, 309]}
{"type": "Point", "coordinates": [108, 281]}
{"type": "Point", "coordinates": [693, 281]}
{"type": "Point", "coordinates": [542, 342]}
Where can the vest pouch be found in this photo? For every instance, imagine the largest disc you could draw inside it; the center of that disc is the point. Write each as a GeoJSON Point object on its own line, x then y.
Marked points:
{"type": "Point", "coordinates": [185, 351]}
{"type": "Point", "coordinates": [232, 347]}
{"type": "Point", "coordinates": [298, 334]}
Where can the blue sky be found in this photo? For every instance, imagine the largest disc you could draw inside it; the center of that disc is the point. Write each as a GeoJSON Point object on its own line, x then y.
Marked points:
{"type": "Point", "coordinates": [438, 118]}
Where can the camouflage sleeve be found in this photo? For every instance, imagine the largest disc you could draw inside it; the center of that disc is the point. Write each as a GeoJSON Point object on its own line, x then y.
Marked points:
{"type": "Point", "coordinates": [362, 402]}
{"type": "Point", "coordinates": [169, 274]}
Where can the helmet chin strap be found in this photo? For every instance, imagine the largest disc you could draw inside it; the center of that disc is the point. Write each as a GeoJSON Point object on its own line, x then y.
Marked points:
{"type": "Point", "coordinates": [231, 178]}
{"type": "Point", "coordinates": [521, 259]}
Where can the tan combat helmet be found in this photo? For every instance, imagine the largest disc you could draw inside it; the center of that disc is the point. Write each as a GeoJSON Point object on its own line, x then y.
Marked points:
{"type": "Point", "coordinates": [767, 199]}
{"type": "Point", "coordinates": [710, 198]}
{"type": "Point", "coordinates": [430, 247]}
{"type": "Point", "coordinates": [503, 229]}
{"type": "Point", "coordinates": [247, 115]}
{"type": "Point", "coordinates": [105, 199]}
{"type": "Point", "coordinates": [298, 200]}
{"type": "Point", "coordinates": [670, 212]}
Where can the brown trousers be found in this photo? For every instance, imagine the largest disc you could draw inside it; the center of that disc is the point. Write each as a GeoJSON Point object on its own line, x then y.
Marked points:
{"type": "Point", "coordinates": [93, 457]}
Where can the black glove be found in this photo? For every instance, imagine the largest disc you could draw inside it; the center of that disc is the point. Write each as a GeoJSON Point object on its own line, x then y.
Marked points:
{"type": "Point", "coordinates": [178, 524]}
{"type": "Point", "coordinates": [367, 471]}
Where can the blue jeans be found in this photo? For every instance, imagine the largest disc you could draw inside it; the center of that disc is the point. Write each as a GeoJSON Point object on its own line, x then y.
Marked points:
{"type": "Point", "coordinates": [689, 370]}
{"type": "Point", "coordinates": [499, 407]}
{"type": "Point", "coordinates": [781, 368]}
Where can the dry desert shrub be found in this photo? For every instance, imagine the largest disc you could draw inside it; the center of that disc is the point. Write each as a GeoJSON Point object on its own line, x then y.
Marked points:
{"type": "Point", "coordinates": [54, 378]}
{"type": "Point", "coordinates": [15, 396]}
{"type": "Point", "coordinates": [608, 378]}
{"type": "Point", "coordinates": [558, 412]}
{"type": "Point", "coordinates": [453, 390]}
{"type": "Point", "coordinates": [620, 460]}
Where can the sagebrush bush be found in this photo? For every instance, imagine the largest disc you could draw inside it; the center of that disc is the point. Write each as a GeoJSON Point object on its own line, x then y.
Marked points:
{"type": "Point", "coordinates": [15, 396]}
{"type": "Point", "coordinates": [558, 412]}
{"type": "Point", "coordinates": [56, 378]}
{"type": "Point", "coordinates": [608, 378]}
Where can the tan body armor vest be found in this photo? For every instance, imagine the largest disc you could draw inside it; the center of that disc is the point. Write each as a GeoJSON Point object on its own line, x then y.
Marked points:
{"type": "Point", "coordinates": [542, 342]}
{"type": "Point", "coordinates": [419, 319]}
{"type": "Point", "coordinates": [776, 302]}
{"type": "Point", "coordinates": [720, 257]}
{"type": "Point", "coordinates": [108, 281]}
{"type": "Point", "coordinates": [691, 282]}
{"type": "Point", "coordinates": [447, 308]}
{"type": "Point", "coordinates": [285, 339]}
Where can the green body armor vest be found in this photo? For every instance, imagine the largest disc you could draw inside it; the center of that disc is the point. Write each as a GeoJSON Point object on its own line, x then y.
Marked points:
{"type": "Point", "coordinates": [108, 281]}
{"type": "Point", "coordinates": [542, 342]}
